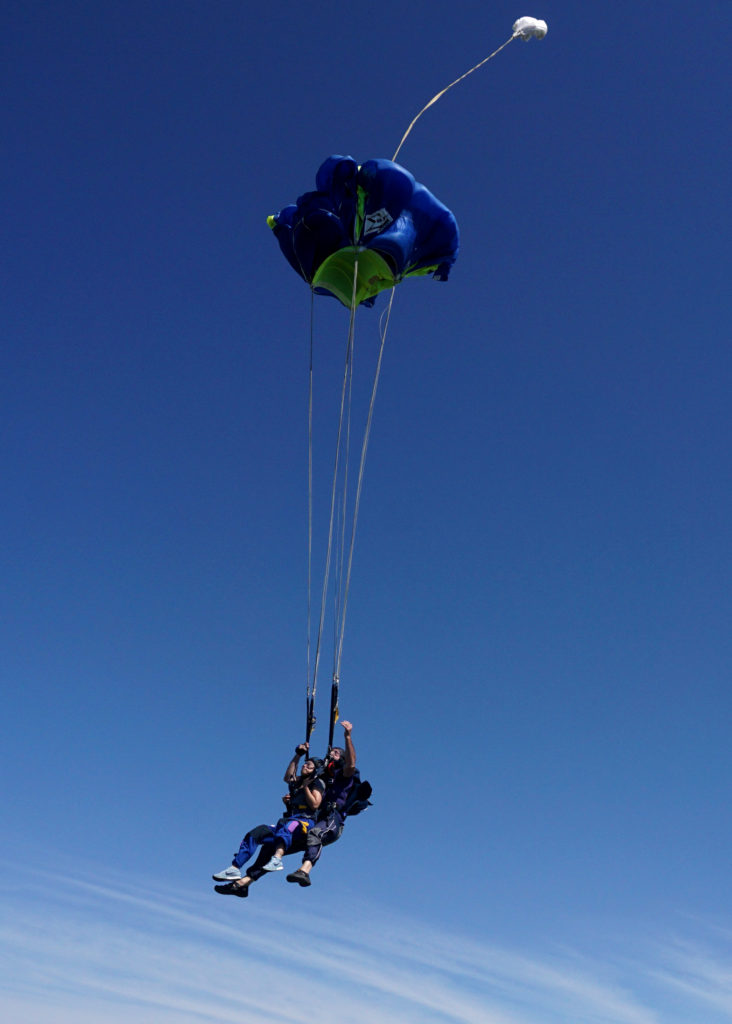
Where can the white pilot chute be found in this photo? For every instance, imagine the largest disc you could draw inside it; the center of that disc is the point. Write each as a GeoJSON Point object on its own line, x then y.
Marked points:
{"type": "Point", "coordinates": [529, 28]}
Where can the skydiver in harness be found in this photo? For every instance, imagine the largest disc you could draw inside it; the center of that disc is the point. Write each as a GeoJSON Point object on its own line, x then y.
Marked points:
{"type": "Point", "coordinates": [305, 796]}
{"type": "Point", "coordinates": [341, 781]}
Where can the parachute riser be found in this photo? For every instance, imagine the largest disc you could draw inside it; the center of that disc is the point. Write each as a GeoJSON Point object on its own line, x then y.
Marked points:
{"type": "Point", "coordinates": [333, 710]}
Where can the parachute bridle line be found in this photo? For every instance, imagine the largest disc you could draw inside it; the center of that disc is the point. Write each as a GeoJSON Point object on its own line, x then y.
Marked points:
{"type": "Point", "coordinates": [383, 328]}
{"type": "Point", "coordinates": [447, 89]}
{"type": "Point", "coordinates": [343, 513]}
{"type": "Point", "coordinates": [329, 549]}
{"type": "Point", "coordinates": [343, 602]}
{"type": "Point", "coordinates": [310, 693]}
{"type": "Point", "coordinates": [337, 531]}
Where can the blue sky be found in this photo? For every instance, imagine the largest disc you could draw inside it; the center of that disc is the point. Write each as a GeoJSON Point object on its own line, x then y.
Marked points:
{"type": "Point", "coordinates": [537, 654]}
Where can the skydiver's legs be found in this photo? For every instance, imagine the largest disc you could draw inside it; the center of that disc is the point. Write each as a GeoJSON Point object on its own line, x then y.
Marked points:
{"type": "Point", "coordinates": [291, 833]}
{"type": "Point", "coordinates": [290, 837]}
{"type": "Point", "coordinates": [258, 835]}
{"type": "Point", "coordinates": [322, 834]}
{"type": "Point", "coordinates": [240, 886]}
{"type": "Point", "coordinates": [274, 843]}
{"type": "Point", "coordinates": [270, 848]}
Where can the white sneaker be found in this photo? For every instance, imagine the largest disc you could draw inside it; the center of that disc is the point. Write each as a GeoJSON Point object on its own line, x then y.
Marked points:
{"type": "Point", "coordinates": [273, 865]}
{"type": "Point", "coordinates": [228, 874]}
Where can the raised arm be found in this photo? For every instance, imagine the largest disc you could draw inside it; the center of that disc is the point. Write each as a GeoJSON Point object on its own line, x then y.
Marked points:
{"type": "Point", "coordinates": [349, 766]}
{"type": "Point", "coordinates": [291, 770]}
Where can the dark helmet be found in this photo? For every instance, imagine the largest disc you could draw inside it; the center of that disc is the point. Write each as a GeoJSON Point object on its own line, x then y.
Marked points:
{"type": "Point", "coordinates": [318, 764]}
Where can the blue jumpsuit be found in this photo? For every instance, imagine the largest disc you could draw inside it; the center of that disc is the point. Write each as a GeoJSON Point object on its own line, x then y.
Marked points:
{"type": "Point", "coordinates": [290, 831]}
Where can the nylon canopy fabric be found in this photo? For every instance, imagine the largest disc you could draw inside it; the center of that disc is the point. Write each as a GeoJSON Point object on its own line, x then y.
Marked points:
{"type": "Point", "coordinates": [375, 215]}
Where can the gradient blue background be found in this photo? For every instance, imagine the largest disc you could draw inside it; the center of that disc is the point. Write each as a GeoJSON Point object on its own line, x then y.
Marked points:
{"type": "Point", "coordinates": [537, 656]}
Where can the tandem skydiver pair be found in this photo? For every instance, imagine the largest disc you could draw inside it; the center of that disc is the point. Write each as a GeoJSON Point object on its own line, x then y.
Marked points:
{"type": "Point", "coordinates": [321, 797]}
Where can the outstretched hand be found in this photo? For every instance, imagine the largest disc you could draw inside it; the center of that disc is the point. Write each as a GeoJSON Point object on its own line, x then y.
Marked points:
{"type": "Point", "coordinates": [347, 727]}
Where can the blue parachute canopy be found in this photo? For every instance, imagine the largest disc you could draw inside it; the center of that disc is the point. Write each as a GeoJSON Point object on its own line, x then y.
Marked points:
{"type": "Point", "coordinates": [364, 229]}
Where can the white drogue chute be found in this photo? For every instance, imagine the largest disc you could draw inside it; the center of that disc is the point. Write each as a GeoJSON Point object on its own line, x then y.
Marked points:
{"type": "Point", "coordinates": [527, 28]}
{"type": "Point", "coordinates": [523, 28]}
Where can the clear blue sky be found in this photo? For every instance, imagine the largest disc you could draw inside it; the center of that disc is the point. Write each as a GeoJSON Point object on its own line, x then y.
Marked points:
{"type": "Point", "coordinates": [537, 659]}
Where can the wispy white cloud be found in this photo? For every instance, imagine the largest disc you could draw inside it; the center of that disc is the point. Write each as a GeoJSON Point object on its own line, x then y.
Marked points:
{"type": "Point", "coordinates": [699, 972]}
{"type": "Point", "coordinates": [89, 952]}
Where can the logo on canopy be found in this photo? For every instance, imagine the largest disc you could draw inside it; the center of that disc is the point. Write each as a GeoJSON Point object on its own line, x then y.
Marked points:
{"type": "Point", "coordinates": [377, 221]}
